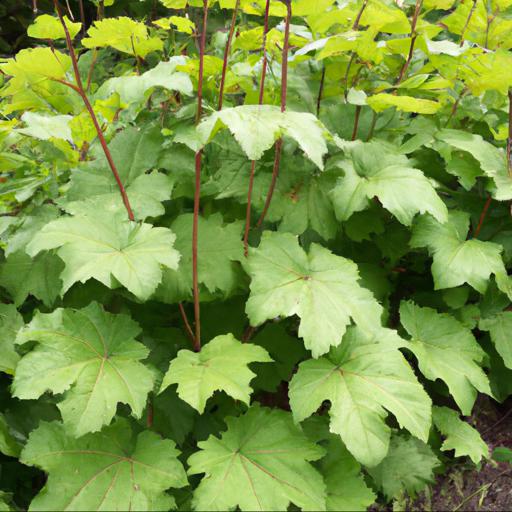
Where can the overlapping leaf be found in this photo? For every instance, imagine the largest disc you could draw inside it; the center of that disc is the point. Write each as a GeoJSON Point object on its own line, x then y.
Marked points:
{"type": "Point", "coordinates": [106, 246]}
{"type": "Point", "coordinates": [460, 436]}
{"type": "Point", "coordinates": [220, 366]}
{"type": "Point", "coordinates": [362, 379]}
{"type": "Point", "coordinates": [256, 128]}
{"type": "Point", "coordinates": [320, 288]}
{"type": "Point", "coordinates": [10, 323]}
{"type": "Point", "coordinates": [457, 260]}
{"type": "Point", "coordinates": [260, 463]}
{"type": "Point", "coordinates": [220, 246]}
{"type": "Point", "coordinates": [89, 355]}
{"type": "Point", "coordinates": [375, 170]}
{"type": "Point", "coordinates": [409, 466]}
{"type": "Point", "coordinates": [499, 327]}
{"type": "Point", "coordinates": [110, 470]}
{"type": "Point", "coordinates": [446, 350]}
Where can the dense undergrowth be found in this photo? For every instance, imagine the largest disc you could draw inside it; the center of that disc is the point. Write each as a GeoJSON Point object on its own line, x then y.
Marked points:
{"type": "Point", "coordinates": [253, 253]}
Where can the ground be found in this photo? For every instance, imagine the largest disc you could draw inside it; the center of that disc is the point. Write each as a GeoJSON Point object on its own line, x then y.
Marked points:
{"type": "Point", "coordinates": [465, 489]}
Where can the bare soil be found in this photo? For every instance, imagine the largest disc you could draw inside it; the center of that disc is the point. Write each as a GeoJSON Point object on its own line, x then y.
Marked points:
{"type": "Point", "coordinates": [463, 488]}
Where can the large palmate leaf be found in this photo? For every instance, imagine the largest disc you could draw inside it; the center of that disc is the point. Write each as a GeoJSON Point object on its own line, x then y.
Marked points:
{"type": "Point", "coordinates": [89, 355]}
{"type": "Point", "coordinates": [256, 128]}
{"type": "Point", "coordinates": [457, 260]}
{"type": "Point", "coordinates": [375, 170]}
{"type": "Point", "coordinates": [219, 246]}
{"type": "Point", "coordinates": [33, 65]}
{"type": "Point", "coordinates": [363, 378]}
{"type": "Point", "coordinates": [301, 199]}
{"type": "Point", "coordinates": [446, 350]}
{"type": "Point", "coordinates": [10, 323]}
{"type": "Point", "coordinates": [346, 488]}
{"type": "Point", "coordinates": [134, 152]}
{"type": "Point", "coordinates": [134, 88]}
{"type": "Point", "coordinates": [500, 329]}
{"type": "Point", "coordinates": [319, 287]}
{"type": "Point", "coordinates": [110, 470]}
{"type": "Point", "coordinates": [260, 463]}
{"type": "Point", "coordinates": [104, 245]}
{"type": "Point", "coordinates": [123, 34]}
{"type": "Point", "coordinates": [460, 436]}
{"type": "Point", "coordinates": [220, 366]}
{"type": "Point", "coordinates": [49, 27]}
{"type": "Point", "coordinates": [409, 466]}
{"type": "Point", "coordinates": [491, 159]}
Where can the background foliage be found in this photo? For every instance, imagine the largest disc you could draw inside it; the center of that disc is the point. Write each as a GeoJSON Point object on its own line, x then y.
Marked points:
{"type": "Point", "coordinates": [260, 265]}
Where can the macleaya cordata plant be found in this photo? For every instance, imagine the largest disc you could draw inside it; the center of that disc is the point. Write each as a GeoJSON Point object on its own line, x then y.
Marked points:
{"type": "Point", "coordinates": [254, 253]}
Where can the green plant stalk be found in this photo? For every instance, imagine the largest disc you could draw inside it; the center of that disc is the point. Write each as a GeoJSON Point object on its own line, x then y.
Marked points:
{"type": "Point", "coordinates": [79, 88]}
{"type": "Point", "coordinates": [226, 54]}
{"type": "Point", "coordinates": [260, 102]}
{"type": "Point", "coordinates": [197, 189]}
{"type": "Point", "coordinates": [284, 92]}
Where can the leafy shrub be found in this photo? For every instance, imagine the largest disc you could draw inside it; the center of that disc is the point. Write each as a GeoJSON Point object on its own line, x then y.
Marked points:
{"type": "Point", "coordinates": [254, 253]}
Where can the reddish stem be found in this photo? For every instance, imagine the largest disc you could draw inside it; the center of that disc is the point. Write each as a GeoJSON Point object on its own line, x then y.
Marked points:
{"type": "Point", "coordinates": [468, 20]}
{"type": "Point", "coordinates": [260, 102]}
{"type": "Point", "coordinates": [226, 54]}
{"type": "Point", "coordinates": [320, 92]}
{"type": "Point", "coordinates": [407, 63]}
{"type": "Point", "coordinates": [82, 14]}
{"type": "Point", "coordinates": [482, 217]}
{"type": "Point", "coordinates": [284, 92]}
{"type": "Point", "coordinates": [188, 328]}
{"type": "Point", "coordinates": [509, 138]}
{"type": "Point", "coordinates": [150, 413]}
{"type": "Point", "coordinates": [197, 190]}
{"type": "Point", "coordinates": [79, 88]}
{"type": "Point", "coordinates": [355, 26]}
{"type": "Point", "coordinates": [356, 122]}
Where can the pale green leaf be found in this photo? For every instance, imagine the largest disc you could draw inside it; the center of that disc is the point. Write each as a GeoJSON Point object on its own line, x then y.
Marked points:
{"type": "Point", "coordinates": [49, 27]}
{"type": "Point", "coordinates": [500, 329]}
{"type": "Point", "coordinates": [460, 436]}
{"type": "Point", "coordinates": [221, 365]}
{"type": "Point", "coordinates": [446, 350]}
{"type": "Point", "coordinates": [382, 101]}
{"type": "Point", "coordinates": [89, 355]}
{"type": "Point", "coordinates": [375, 170]}
{"type": "Point", "coordinates": [346, 488]}
{"type": "Point", "coordinates": [111, 470]}
{"type": "Point", "coordinates": [256, 128]}
{"type": "Point", "coordinates": [457, 260]}
{"type": "Point", "coordinates": [322, 289]}
{"type": "Point", "coordinates": [45, 127]}
{"type": "Point", "coordinates": [106, 246]}
{"type": "Point", "coordinates": [132, 89]}
{"type": "Point", "coordinates": [180, 23]}
{"type": "Point", "coordinates": [260, 463]}
{"type": "Point", "coordinates": [363, 379]}
{"type": "Point", "coordinates": [491, 159]}
{"type": "Point", "coordinates": [123, 34]}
